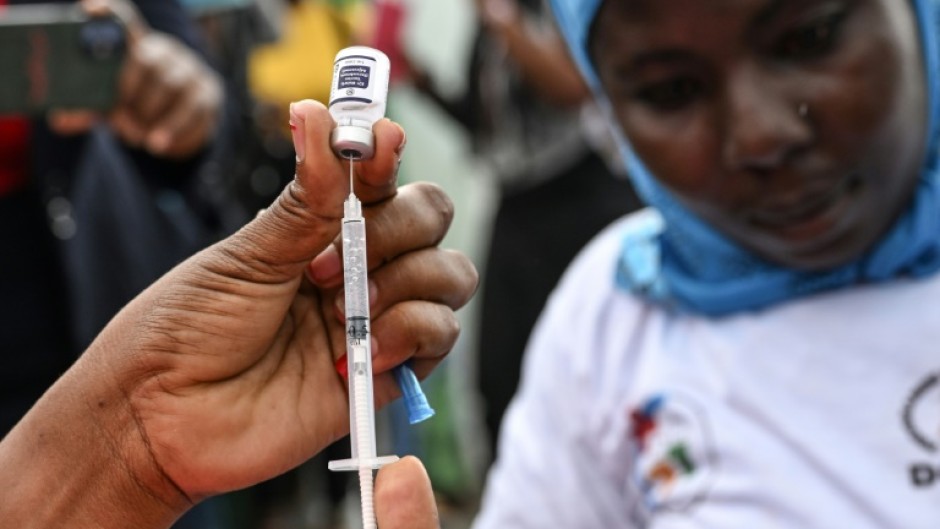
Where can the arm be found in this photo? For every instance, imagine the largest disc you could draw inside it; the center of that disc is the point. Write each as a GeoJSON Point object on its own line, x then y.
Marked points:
{"type": "Point", "coordinates": [170, 17]}
{"type": "Point", "coordinates": [553, 469]}
{"type": "Point", "coordinates": [540, 53]}
{"type": "Point", "coordinates": [73, 461]}
{"type": "Point", "coordinates": [463, 109]}
{"type": "Point", "coordinates": [221, 374]}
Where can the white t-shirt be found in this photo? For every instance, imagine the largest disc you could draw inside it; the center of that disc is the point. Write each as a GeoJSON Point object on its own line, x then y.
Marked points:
{"type": "Point", "coordinates": [818, 413]}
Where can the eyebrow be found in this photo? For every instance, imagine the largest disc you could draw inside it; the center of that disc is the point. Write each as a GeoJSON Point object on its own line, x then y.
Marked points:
{"type": "Point", "coordinates": [768, 12]}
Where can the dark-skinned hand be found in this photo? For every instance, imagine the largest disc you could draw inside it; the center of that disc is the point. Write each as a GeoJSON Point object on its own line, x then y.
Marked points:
{"type": "Point", "coordinates": [221, 374]}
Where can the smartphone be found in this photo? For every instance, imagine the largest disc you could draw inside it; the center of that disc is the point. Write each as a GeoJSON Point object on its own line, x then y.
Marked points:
{"type": "Point", "coordinates": [54, 56]}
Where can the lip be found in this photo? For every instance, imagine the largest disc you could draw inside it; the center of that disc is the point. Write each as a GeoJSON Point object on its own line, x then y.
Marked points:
{"type": "Point", "coordinates": [810, 213]}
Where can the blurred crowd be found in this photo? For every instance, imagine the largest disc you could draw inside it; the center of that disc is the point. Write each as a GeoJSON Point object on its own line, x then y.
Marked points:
{"type": "Point", "coordinates": [94, 206]}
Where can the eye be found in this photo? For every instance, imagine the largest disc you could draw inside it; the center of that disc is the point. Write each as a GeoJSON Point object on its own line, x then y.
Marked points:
{"type": "Point", "coordinates": [811, 40]}
{"type": "Point", "coordinates": [670, 94]}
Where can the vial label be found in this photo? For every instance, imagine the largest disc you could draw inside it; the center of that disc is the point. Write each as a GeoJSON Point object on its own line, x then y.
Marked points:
{"type": "Point", "coordinates": [352, 76]}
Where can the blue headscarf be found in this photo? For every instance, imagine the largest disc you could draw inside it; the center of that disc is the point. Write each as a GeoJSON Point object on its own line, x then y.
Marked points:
{"type": "Point", "coordinates": [677, 259]}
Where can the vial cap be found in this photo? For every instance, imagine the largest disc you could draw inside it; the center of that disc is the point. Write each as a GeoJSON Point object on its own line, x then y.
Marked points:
{"type": "Point", "coordinates": [352, 142]}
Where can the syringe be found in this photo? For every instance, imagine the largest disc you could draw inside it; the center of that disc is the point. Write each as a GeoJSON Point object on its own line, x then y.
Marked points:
{"type": "Point", "coordinates": [359, 357]}
{"type": "Point", "coordinates": [357, 101]}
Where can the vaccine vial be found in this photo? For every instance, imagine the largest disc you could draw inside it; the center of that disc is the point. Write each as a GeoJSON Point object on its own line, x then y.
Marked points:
{"type": "Point", "coordinates": [357, 100]}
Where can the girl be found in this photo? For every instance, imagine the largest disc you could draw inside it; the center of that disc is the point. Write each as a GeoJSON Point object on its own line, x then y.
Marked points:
{"type": "Point", "coordinates": [757, 350]}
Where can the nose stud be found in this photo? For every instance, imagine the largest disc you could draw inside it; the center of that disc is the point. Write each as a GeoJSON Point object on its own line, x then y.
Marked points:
{"type": "Point", "coordinates": [802, 110]}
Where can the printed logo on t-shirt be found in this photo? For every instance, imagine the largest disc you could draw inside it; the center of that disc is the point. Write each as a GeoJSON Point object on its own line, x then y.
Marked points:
{"type": "Point", "coordinates": [922, 421]}
{"type": "Point", "coordinates": [674, 462]}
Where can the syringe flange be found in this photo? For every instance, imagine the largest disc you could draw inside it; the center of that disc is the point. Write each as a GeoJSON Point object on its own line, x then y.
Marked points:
{"type": "Point", "coordinates": [353, 465]}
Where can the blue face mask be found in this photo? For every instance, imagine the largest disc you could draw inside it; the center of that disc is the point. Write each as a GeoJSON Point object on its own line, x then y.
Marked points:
{"type": "Point", "coordinates": [663, 259]}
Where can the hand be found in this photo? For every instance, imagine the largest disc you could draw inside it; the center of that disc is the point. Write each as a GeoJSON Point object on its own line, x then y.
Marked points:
{"type": "Point", "coordinates": [233, 347]}
{"type": "Point", "coordinates": [168, 98]}
{"type": "Point", "coordinates": [221, 374]}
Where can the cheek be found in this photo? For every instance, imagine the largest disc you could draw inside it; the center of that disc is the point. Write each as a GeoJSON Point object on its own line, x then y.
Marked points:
{"type": "Point", "coordinates": [679, 151]}
{"type": "Point", "coordinates": [862, 107]}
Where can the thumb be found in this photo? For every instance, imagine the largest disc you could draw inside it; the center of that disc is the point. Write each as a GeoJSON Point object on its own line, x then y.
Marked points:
{"type": "Point", "coordinates": [305, 218]}
{"type": "Point", "coordinates": [403, 497]}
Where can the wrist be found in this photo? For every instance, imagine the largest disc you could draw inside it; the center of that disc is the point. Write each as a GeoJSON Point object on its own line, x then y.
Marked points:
{"type": "Point", "coordinates": [79, 460]}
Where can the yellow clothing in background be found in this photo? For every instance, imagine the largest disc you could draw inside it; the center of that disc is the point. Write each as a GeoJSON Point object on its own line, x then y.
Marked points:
{"type": "Point", "coordinates": [300, 65]}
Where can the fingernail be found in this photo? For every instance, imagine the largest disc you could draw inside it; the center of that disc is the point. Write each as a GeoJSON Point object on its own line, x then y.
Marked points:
{"type": "Point", "coordinates": [297, 133]}
{"type": "Point", "coordinates": [342, 367]}
{"type": "Point", "coordinates": [404, 142]}
{"type": "Point", "coordinates": [326, 266]}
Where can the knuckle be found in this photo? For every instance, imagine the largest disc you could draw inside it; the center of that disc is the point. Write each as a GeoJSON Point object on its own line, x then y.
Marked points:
{"type": "Point", "coordinates": [438, 200]}
{"type": "Point", "coordinates": [468, 278]}
{"type": "Point", "coordinates": [293, 200]}
{"type": "Point", "coordinates": [294, 211]}
{"type": "Point", "coordinates": [239, 258]}
{"type": "Point", "coordinates": [429, 330]}
{"type": "Point", "coordinates": [450, 331]}
{"type": "Point", "coordinates": [293, 207]}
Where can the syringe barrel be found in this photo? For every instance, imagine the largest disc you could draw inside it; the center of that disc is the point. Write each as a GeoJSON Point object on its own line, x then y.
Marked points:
{"type": "Point", "coordinates": [355, 268]}
{"type": "Point", "coordinates": [358, 339]}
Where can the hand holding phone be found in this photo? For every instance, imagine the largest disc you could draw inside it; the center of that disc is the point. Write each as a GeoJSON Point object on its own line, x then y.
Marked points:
{"type": "Point", "coordinates": [169, 99]}
{"type": "Point", "coordinates": [99, 59]}
{"type": "Point", "coordinates": [56, 56]}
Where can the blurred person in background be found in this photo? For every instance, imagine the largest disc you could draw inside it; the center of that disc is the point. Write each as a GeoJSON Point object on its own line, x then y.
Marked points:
{"type": "Point", "coordinates": [93, 208]}
{"type": "Point", "coordinates": [759, 348]}
{"type": "Point", "coordinates": [522, 107]}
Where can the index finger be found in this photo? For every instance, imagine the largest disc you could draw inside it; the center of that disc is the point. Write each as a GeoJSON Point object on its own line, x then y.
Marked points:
{"type": "Point", "coordinates": [377, 177]}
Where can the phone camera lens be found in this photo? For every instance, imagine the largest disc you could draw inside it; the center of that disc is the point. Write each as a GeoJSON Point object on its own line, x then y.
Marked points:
{"type": "Point", "coordinates": [102, 39]}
